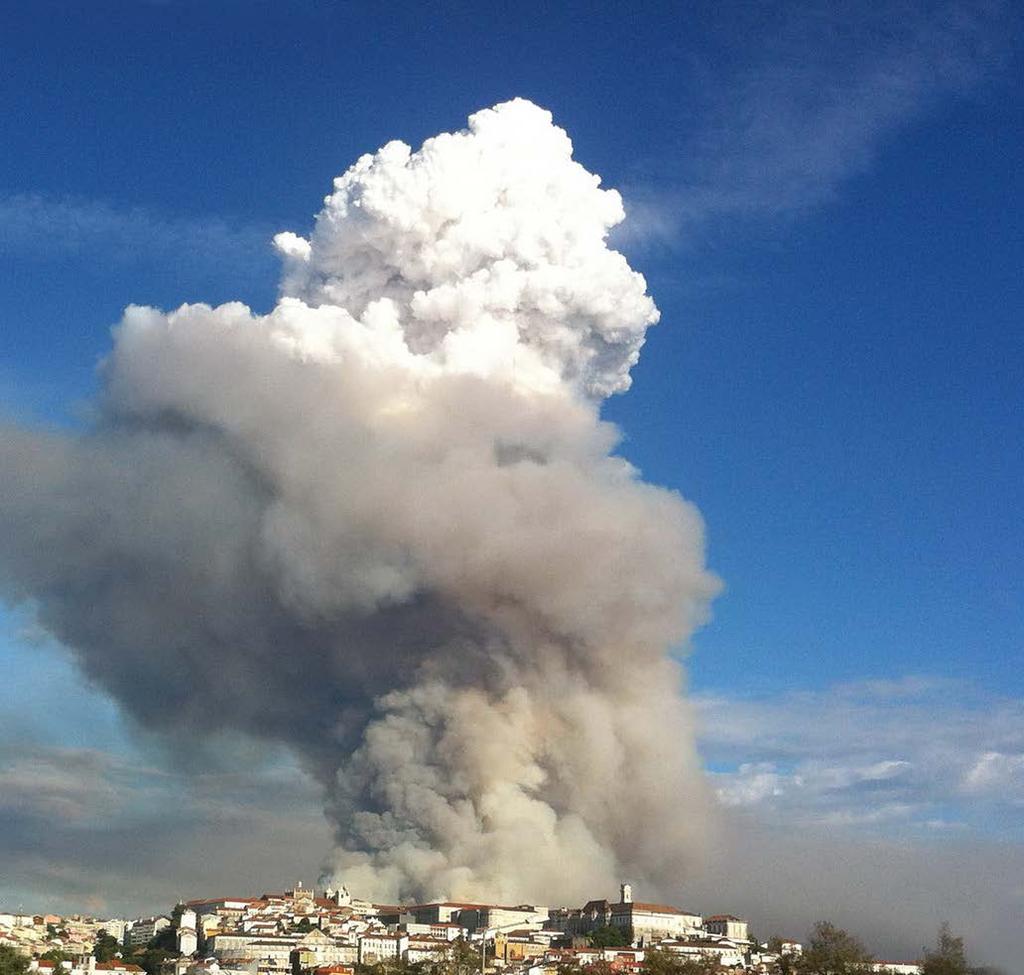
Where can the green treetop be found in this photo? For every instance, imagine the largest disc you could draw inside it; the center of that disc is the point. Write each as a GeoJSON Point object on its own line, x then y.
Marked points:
{"type": "Point", "coordinates": [833, 951]}
{"type": "Point", "coordinates": [948, 957]}
{"type": "Point", "coordinates": [106, 947]}
{"type": "Point", "coordinates": [610, 936]}
{"type": "Point", "coordinates": [12, 962]}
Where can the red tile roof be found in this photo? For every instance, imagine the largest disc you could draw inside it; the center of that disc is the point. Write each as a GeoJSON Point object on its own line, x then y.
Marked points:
{"type": "Point", "coordinates": [466, 905]}
{"type": "Point", "coordinates": [221, 900]}
{"type": "Point", "coordinates": [652, 908]}
{"type": "Point", "coordinates": [462, 904]}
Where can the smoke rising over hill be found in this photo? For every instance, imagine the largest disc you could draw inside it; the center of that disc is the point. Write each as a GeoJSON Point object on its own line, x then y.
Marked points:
{"type": "Point", "coordinates": [384, 525]}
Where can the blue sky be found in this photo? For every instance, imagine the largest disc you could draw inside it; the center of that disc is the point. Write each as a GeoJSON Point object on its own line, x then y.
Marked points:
{"type": "Point", "coordinates": [826, 205]}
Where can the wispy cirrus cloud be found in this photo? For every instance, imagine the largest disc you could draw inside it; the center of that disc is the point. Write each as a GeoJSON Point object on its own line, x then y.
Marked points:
{"type": "Point", "coordinates": [39, 225]}
{"type": "Point", "coordinates": [801, 97]}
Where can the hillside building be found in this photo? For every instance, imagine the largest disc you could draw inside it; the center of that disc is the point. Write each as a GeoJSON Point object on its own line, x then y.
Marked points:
{"type": "Point", "coordinates": [651, 922]}
{"type": "Point", "coordinates": [726, 926]}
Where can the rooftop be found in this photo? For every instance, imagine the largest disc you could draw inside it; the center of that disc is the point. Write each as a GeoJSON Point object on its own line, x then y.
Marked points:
{"type": "Point", "coordinates": [651, 908]}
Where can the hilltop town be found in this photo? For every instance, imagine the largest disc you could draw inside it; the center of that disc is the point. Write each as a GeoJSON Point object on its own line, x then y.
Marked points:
{"type": "Point", "coordinates": [305, 932]}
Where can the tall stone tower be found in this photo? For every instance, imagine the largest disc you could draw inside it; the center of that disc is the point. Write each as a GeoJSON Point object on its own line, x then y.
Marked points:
{"type": "Point", "coordinates": [626, 894]}
{"type": "Point", "coordinates": [186, 937]}
{"type": "Point", "coordinates": [341, 896]}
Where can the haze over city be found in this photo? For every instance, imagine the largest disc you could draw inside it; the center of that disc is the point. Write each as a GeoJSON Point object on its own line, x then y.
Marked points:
{"type": "Point", "coordinates": [489, 454]}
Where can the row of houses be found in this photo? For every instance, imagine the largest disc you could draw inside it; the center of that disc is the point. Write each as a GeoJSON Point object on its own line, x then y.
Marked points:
{"type": "Point", "coordinates": [35, 934]}
{"type": "Point", "coordinates": [303, 932]}
{"type": "Point", "coordinates": [299, 931]}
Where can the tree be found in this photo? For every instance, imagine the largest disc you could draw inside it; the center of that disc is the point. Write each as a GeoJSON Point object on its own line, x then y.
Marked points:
{"type": "Point", "coordinates": [833, 951]}
{"type": "Point", "coordinates": [658, 961]}
{"type": "Point", "coordinates": [156, 952]}
{"type": "Point", "coordinates": [167, 939]}
{"type": "Point", "coordinates": [152, 959]}
{"type": "Point", "coordinates": [392, 966]}
{"type": "Point", "coordinates": [462, 958]}
{"type": "Point", "coordinates": [304, 925]}
{"type": "Point", "coordinates": [948, 957]}
{"type": "Point", "coordinates": [106, 947]}
{"type": "Point", "coordinates": [786, 962]}
{"type": "Point", "coordinates": [12, 962]}
{"type": "Point", "coordinates": [610, 936]}
{"type": "Point", "coordinates": [56, 956]}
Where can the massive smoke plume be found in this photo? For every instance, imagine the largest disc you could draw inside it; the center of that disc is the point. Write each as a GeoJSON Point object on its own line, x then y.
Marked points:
{"type": "Point", "coordinates": [383, 525]}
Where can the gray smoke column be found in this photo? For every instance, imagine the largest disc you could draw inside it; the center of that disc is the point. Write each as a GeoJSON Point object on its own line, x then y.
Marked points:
{"type": "Point", "coordinates": [384, 525]}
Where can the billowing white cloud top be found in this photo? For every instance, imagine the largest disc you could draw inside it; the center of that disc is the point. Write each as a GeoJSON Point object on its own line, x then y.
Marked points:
{"type": "Point", "coordinates": [485, 251]}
